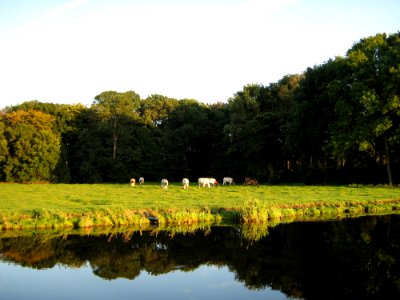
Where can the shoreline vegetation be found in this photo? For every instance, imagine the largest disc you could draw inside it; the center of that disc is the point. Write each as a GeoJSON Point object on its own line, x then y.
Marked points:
{"type": "Point", "coordinates": [88, 206]}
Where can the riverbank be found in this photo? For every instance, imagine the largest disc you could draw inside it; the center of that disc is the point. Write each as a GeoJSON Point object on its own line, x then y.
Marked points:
{"type": "Point", "coordinates": [24, 206]}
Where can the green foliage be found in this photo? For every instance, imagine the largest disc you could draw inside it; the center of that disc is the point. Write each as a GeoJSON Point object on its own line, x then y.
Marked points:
{"type": "Point", "coordinates": [33, 148]}
{"type": "Point", "coordinates": [367, 117]}
{"type": "Point", "coordinates": [337, 123]}
{"type": "Point", "coordinates": [112, 105]}
{"type": "Point", "coordinates": [3, 150]}
{"type": "Point", "coordinates": [114, 108]}
{"type": "Point", "coordinates": [65, 115]}
{"type": "Point", "coordinates": [185, 141]}
{"type": "Point", "coordinates": [257, 128]}
{"type": "Point", "coordinates": [254, 211]}
{"type": "Point", "coordinates": [156, 109]}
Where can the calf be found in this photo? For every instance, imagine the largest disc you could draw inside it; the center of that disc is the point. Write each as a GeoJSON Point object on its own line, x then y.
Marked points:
{"type": "Point", "coordinates": [229, 180]}
{"type": "Point", "coordinates": [185, 183]}
{"type": "Point", "coordinates": [207, 181]}
{"type": "Point", "coordinates": [132, 181]}
{"type": "Point", "coordinates": [251, 181]}
{"type": "Point", "coordinates": [141, 180]}
{"type": "Point", "coordinates": [164, 184]}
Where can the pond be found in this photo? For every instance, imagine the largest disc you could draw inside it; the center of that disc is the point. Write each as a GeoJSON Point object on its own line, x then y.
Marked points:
{"type": "Point", "coordinates": [348, 259]}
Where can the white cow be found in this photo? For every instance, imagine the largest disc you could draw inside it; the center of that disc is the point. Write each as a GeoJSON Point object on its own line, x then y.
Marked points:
{"type": "Point", "coordinates": [132, 181]}
{"type": "Point", "coordinates": [141, 180]}
{"type": "Point", "coordinates": [207, 181]}
{"type": "Point", "coordinates": [164, 184]}
{"type": "Point", "coordinates": [229, 180]}
{"type": "Point", "coordinates": [185, 183]}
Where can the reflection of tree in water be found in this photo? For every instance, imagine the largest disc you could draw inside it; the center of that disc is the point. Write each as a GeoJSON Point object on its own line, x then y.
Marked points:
{"type": "Point", "coordinates": [356, 258]}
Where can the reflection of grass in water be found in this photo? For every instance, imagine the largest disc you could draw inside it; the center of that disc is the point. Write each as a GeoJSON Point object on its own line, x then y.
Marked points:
{"type": "Point", "coordinates": [86, 205]}
{"type": "Point", "coordinates": [254, 231]}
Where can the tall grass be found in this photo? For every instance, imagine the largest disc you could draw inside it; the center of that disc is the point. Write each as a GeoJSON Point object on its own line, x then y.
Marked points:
{"type": "Point", "coordinates": [94, 205]}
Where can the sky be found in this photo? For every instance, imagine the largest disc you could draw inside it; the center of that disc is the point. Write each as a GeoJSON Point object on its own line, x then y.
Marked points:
{"type": "Point", "coordinates": [69, 51]}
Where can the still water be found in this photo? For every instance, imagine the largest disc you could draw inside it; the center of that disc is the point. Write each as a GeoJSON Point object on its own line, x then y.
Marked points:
{"type": "Point", "coordinates": [348, 259]}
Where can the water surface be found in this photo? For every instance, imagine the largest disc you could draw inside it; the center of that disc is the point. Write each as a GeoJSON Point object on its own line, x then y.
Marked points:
{"type": "Point", "coordinates": [349, 259]}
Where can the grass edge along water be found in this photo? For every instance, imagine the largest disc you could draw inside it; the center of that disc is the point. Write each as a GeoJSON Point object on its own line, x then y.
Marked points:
{"type": "Point", "coordinates": [84, 206]}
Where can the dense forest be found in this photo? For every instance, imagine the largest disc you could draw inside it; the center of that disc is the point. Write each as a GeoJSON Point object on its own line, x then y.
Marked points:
{"type": "Point", "coordinates": [336, 123]}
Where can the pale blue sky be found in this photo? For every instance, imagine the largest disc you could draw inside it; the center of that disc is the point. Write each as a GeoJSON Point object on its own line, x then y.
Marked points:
{"type": "Point", "coordinates": [68, 51]}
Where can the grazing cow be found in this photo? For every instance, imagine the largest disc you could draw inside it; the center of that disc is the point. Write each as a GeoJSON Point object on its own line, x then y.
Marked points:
{"type": "Point", "coordinates": [141, 180]}
{"type": "Point", "coordinates": [164, 184]}
{"type": "Point", "coordinates": [207, 181]}
{"type": "Point", "coordinates": [185, 183]}
{"type": "Point", "coordinates": [132, 181]}
{"type": "Point", "coordinates": [229, 180]}
{"type": "Point", "coordinates": [251, 181]}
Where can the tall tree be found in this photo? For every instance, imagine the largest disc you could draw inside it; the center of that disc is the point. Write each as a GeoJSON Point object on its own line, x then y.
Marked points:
{"type": "Point", "coordinates": [243, 108]}
{"type": "Point", "coordinates": [313, 111]}
{"type": "Point", "coordinates": [113, 107]}
{"type": "Point", "coordinates": [185, 141]}
{"type": "Point", "coordinates": [370, 116]}
{"type": "Point", "coordinates": [257, 127]}
{"type": "Point", "coordinates": [217, 140]}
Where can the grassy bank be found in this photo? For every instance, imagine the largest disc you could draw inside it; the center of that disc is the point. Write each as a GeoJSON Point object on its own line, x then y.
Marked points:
{"type": "Point", "coordinates": [88, 205]}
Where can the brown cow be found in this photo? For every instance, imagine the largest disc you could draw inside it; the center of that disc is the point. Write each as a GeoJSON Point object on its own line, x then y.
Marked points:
{"type": "Point", "coordinates": [132, 181]}
{"type": "Point", "coordinates": [251, 181]}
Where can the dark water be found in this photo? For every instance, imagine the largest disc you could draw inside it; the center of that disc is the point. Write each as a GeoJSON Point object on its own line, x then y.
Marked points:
{"type": "Point", "coordinates": [350, 259]}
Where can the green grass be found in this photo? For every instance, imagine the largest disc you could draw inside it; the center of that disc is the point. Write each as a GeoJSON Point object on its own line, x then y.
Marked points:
{"type": "Point", "coordinates": [88, 205]}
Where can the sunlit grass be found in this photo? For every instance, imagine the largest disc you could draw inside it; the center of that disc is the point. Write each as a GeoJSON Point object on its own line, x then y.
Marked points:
{"type": "Point", "coordinates": [87, 205]}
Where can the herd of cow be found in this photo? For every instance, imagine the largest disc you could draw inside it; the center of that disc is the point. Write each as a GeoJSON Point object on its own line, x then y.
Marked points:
{"type": "Point", "coordinates": [203, 182]}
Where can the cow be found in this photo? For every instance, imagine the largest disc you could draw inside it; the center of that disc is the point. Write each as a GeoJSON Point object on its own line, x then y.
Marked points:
{"type": "Point", "coordinates": [207, 181]}
{"type": "Point", "coordinates": [229, 180]}
{"type": "Point", "coordinates": [251, 181]}
{"type": "Point", "coordinates": [185, 183]}
{"type": "Point", "coordinates": [164, 184]}
{"type": "Point", "coordinates": [141, 180]}
{"type": "Point", "coordinates": [132, 181]}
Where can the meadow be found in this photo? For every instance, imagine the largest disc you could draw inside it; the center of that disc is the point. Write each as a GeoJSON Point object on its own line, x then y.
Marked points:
{"type": "Point", "coordinates": [89, 205]}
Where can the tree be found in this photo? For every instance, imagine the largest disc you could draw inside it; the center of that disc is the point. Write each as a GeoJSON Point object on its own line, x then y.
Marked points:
{"type": "Point", "coordinates": [91, 161]}
{"type": "Point", "coordinates": [33, 147]}
{"type": "Point", "coordinates": [243, 108]}
{"type": "Point", "coordinates": [112, 107]}
{"type": "Point", "coordinates": [184, 141]}
{"type": "Point", "coordinates": [257, 127]}
{"type": "Point", "coordinates": [308, 130]}
{"type": "Point", "coordinates": [68, 122]}
{"type": "Point", "coordinates": [369, 119]}
{"type": "Point", "coordinates": [156, 109]}
{"type": "Point", "coordinates": [3, 148]}
{"type": "Point", "coordinates": [217, 140]}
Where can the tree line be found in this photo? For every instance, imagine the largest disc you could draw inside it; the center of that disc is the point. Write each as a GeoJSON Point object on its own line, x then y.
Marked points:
{"type": "Point", "coordinates": [336, 123]}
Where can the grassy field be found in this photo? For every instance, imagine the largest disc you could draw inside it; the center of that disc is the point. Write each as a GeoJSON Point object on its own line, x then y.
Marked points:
{"type": "Point", "coordinates": [87, 205]}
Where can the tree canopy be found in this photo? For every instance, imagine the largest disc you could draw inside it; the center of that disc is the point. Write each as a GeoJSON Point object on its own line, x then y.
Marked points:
{"type": "Point", "coordinates": [33, 148]}
{"type": "Point", "coordinates": [337, 122]}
